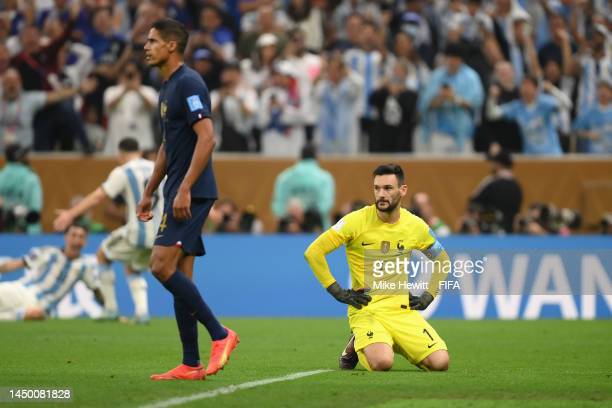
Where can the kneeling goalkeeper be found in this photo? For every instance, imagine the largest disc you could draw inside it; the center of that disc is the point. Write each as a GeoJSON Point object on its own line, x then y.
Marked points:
{"type": "Point", "coordinates": [386, 322]}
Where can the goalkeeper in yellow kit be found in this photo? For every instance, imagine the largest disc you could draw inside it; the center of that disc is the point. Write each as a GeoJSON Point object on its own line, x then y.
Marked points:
{"type": "Point", "coordinates": [382, 314]}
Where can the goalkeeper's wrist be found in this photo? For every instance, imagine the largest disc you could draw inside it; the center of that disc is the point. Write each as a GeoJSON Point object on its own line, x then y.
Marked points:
{"type": "Point", "coordinates": [334, 289]}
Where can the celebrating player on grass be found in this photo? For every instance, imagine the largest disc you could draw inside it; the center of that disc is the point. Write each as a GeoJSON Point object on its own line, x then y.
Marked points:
{"type": "Point", "coordinates": [51, 273]}
{"type": "Point", "coordinates": [386, 321]}
{"type": "Point", "coordinates": [190, 190]}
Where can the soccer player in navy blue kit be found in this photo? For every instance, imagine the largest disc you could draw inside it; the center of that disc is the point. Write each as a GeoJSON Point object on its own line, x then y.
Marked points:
{"type": "Point", "coordinates": [189, 193]}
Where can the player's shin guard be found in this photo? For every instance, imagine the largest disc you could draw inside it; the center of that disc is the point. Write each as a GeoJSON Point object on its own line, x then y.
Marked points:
{"type": "Point", "coordinates": [107, 287]}
{"type": "Point", "coordinates": [138, 288]}
{"type": "Point", "coordinates": [182, 287]}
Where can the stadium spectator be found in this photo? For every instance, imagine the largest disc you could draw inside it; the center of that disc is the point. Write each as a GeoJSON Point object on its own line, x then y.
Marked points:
{"type": "Point", "coordinates": [208, 66]}
{"type": "Point", "coordinates": [20, 193]}
{"type": "Point", "coordinates": [421, 206]}
{"type": "Point", "coordinates": [110, 52]}
{"type": "Point", "coordinates": [268, 21]}
{"type": "Point", "coordinates": [281, 115]}
{"type": "Point", "coordinates": [508, 15]}
{"type": "Point", "coordinates": [307, 66]}
{"type": "Point", "coordinates": [499, 192]}
{"type": "Point", "coordinates": [594, 126]}
{"type": "Point", "coordinates": [449, 105]}
{"type": "Point", "coordinates": [590, 65]}
{"type": "Point", "coordinates": [41, 68]}
{"type": "Point", "coordinates": [258, 69]}
{"type": "Point", "coordinates": [414, 18]}
{"type": "Point", "coordinates": [307, 16]}
{"type": "Point", "coordinates": [19, 107]}
{"type": "Point", "coordinates": [338, 95]}
{"type": "Point", "coordinates": [504, 132]}
{"type": "Point", "coordinates": [217, 37]}
{"type": "Point", "coordinates": [234, 105]}
{"type": "Point", "coordinates": [418, 71]}
{"type": "Point", "coordinates": [535, 114]}
{"type": "Point", "coordinates": [307, 183]}
{"type": "Point", "coordinates": [51, 273]}
{"type": "Point", "coordinates": [367, 60]}
{"type": "Point", "coordinates": [130, 106]}
{"type": "Point", "coordinates": [395, 110]}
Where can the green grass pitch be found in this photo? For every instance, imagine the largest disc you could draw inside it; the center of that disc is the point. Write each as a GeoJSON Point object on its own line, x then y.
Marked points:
{"type": "Point", "coordinates": [493, 364]}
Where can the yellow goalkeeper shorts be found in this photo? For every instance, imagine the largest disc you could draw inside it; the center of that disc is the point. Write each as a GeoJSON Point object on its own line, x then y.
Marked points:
{"type": "Point", "coordinates": [405, 330]}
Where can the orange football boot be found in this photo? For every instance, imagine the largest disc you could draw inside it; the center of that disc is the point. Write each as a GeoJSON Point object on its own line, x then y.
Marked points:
{"type": "Point", "coordinates": [220, 352]}
{"type": "Point", "coordinates": [182, 372]}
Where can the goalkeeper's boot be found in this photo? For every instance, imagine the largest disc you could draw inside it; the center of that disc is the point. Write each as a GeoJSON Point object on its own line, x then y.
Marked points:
{"type": "Point", "coordinates": [182, 372]}
{"type": "Point", "coordinates": [348, 359]}
{"type": "Point", "coordinates": [220, 352]}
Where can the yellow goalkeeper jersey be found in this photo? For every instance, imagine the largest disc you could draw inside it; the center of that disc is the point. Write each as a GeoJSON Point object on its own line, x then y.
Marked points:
{"type": "Point", "coordinates": [373, 247]}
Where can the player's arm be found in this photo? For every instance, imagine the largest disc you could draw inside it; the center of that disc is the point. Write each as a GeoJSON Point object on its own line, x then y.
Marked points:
{"type": "Point", "coordinates": [65, 217]}
{"type": "Point", "coordinates": [441, 268]}
{"type": "Point", "coordinates": [12, 265]}
{"type": "Point", "coordinates": [315, 256]}
{"type": "Point", "coordinates": [143, 211]}
{"type": "Point", "coordinates": [201, 155]}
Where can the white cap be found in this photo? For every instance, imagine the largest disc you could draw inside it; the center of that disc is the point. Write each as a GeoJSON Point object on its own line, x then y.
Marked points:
{"type": "Point", "coordinates": [266, 39]}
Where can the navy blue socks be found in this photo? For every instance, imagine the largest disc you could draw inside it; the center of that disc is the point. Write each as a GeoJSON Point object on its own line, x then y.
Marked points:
{"type": "Point", "coordinates": [185, 290]}
{"type": "Point", "coordinates": [188, 331]}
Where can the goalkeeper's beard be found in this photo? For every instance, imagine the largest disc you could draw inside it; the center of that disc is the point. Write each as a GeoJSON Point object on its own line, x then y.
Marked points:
{"type": "Point", "coordinates": [391, 207]}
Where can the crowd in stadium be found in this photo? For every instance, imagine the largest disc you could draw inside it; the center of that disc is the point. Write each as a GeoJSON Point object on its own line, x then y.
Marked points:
{"type": "Point", "coordinates": [441, 76]}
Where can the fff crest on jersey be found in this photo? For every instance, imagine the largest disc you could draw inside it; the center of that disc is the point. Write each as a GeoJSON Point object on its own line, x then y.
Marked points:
{"type": "Point", "coordinates": [385, 246]}
{"type": "Point", "coordinates": [163, 109]}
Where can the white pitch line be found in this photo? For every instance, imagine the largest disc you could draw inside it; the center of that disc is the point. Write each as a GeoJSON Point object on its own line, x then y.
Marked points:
{"type": "Point", "coordinates": [230, 389]}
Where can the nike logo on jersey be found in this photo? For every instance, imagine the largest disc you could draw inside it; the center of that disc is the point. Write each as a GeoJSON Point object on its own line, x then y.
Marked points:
{"type": "Point", "coordinates": [367, 243]}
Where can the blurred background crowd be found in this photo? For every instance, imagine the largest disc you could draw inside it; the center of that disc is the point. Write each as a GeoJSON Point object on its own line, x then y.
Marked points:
{"type": "Point", "coordinates": [293, 78]}
{"type": "Point", "coordinates": [442, 76]}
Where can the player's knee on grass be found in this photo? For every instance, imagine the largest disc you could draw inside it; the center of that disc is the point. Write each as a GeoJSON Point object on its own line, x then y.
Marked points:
{"type": "Point", "coordinates": [436, 361]}
{"type": "Point", "coordinates": [379, 356]}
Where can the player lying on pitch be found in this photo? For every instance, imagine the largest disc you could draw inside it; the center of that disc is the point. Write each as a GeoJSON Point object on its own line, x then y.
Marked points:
{"type": "Point", "coordinates": [388, 321]}
{"type": "Point", "coordinates": [51, 273]}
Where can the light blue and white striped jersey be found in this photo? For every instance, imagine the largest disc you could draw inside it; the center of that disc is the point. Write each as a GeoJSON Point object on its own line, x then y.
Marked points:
{"type": "Point", "coordinates": [597, 119]}
{"type": "Point", "coordinates": [537, 124]}
{"type": "Point", "coordinates": [371, 67]}
{"type": "Point", "coordinates": [50, 274]}
{"type": "Point", "coordinates": [130, 180]}
{"type": "Point", "coordinates": [591, 71]}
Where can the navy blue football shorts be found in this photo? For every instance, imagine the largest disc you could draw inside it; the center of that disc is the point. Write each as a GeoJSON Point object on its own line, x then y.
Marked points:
{"type": "Point", "coordinates": [185, 234]}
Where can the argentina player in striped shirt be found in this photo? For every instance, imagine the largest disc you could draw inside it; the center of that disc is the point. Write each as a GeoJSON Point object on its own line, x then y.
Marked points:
{"type": "Point", "coordinates": [51, 273]}
{"type": "Point", "coordinates": [130, 244]}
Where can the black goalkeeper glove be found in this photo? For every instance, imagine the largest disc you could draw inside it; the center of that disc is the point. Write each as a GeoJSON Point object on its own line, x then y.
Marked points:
{"type": "Point", "coordinates": [349, 296]}
{"type": "Point", "coordinates": [420, 302]}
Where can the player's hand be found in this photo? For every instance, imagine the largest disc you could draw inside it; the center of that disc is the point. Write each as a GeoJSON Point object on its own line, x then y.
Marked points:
{"type": "Point", "coordinates": [349, 296]}
{"type": "Point", "coordinates": [62, 221]}
{"type": "Point", "coordinates": [420, 302]}
{"type": "Point", "coordinates": [143, 210]}
{"type": "Point", "coordinates": [181, 207]}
